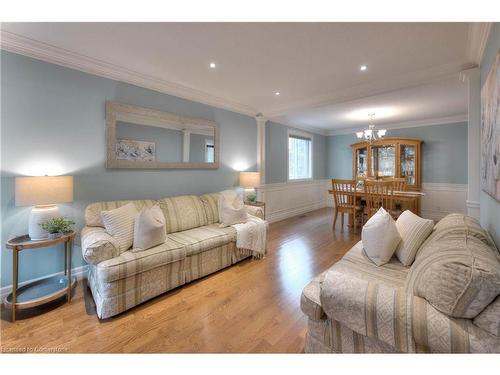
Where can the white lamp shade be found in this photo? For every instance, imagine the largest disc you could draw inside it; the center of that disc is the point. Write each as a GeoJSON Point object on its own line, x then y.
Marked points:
{"type": "Point", "coordinates": [249, 180]}
{"type": "Point", "coordinates": [35, 191]}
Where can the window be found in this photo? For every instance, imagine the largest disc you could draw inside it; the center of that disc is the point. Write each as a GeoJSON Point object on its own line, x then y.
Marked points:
{"type": "Point", "coordinates": [299, 157]}
{"type": "Point", "coordinates": [209, 151]}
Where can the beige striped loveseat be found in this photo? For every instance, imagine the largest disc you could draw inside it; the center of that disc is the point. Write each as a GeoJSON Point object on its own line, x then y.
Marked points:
{"type": "Point", "coordinates": [357, 307]}
{"type": "Point", "coordinates": [196, 246]}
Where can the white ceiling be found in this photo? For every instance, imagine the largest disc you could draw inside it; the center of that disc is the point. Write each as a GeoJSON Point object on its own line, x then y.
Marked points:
{"type": "Point", "coordinates": [412, 67]}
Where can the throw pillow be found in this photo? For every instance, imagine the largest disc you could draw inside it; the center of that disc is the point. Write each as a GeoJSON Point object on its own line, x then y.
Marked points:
{"type": "Point", "coordinates": [380, 237]}
{"type": "Point", "coordinates": [413, 231]}
{"type": "Point", "coordinates": [119, 223]}
{"type": "Point", "coordinates": [231, 209]}
{"type": "Point", "coordinates": [149, 228]}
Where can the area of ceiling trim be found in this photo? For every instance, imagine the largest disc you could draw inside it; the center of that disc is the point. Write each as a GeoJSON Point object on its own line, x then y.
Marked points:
{"type": "Point", "coordinates": [32, 48]}
{"type": "Point", "coordinates": [378, 87]}
{"type": "Point", "coordinates": [406, 124]}
{"type": "Point", "coordinates": [477, 39]}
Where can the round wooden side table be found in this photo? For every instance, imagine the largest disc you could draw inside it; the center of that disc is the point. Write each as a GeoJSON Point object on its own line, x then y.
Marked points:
{"type": "Point", "coordinates": [44, 290]}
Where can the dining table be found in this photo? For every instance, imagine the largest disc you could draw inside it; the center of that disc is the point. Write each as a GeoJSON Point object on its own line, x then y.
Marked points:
{"type": "Point", "coordinates": [409, 199]}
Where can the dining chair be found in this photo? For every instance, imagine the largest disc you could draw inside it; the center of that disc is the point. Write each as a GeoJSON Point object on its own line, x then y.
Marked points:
{"type": "Point", "coordinates": [379, 194]}
{"type": "Point", "coordinates": [345, 197]}
{"type": "Point", "coordinates": [399, 183]}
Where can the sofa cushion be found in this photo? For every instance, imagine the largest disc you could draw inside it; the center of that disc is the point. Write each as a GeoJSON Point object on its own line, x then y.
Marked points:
{"type": "Point", "coordinates": [204, 238]}
{"type": "Point", "coordinates": [133, 262]}
{"type": "Point", "coordinates": [210, 203]}
{"type": "Point", "coordinates": [149, 229]}
{"type": "Point", "coordinates": [310, 303]}
{"type": "Point", "coordinates": [380, 237]}
{"type": "Point", "coordinates": [414, 231]}
{"type": "Point", "coordinates": [119, 223]}
{"type": "Point", "coordinates": [93, 210]}
{"type": "Point", "coordinates": [183, 212]}
{"type": "Point", "coordinates": [459, 274]}
{"type": "Point", "coordinates": [489, 318]}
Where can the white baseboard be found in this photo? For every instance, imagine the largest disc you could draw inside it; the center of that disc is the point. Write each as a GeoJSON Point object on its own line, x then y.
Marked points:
{"type": "Point", "coordinates": [78, 272]}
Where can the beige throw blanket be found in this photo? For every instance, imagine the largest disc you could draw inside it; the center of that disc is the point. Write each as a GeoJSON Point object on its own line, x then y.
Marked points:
{"type": "Point", "coordinates": [251, 237]}
{"type": "Point", "coordinates": [251, 231]}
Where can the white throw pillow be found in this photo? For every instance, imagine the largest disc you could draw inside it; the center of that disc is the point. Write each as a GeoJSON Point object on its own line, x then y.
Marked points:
{"type": "Point", "coordinates": [119, 223]}
{"type": "Point", "coordinates": [232, 210]}
{"type": "Point", "coordinates": [149, 228]}
{"type": "Point", "coordinates": [413, 231]}
{"type": "Point", "coordinates": [380, 237]}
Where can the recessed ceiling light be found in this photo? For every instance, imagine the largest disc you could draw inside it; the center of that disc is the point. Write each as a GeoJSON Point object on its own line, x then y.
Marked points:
{"type": "Point", "coordinates": [363, 68]}
{"type": "Point", "coordinates": [277, 93]}
{"type": "Point", "coordinates": [212, 65]}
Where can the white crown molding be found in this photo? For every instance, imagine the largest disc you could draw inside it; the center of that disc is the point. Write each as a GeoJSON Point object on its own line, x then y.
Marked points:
{"type": "Point", "coordinates": [407, 124]}
{"type": "Point", "coordinates": [378, 87]}
{"type": "Point", "coordinates": [32, 48]}
{"type": "Point", "coordinates": [477, 39]}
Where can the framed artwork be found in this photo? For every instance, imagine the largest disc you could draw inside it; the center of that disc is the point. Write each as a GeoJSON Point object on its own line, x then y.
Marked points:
{"type": "Point", "coordinates": [131, 149]}
{"type": "Point", "coordinates": [490, 131]}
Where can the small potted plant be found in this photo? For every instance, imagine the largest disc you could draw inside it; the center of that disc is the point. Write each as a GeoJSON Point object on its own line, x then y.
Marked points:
{"type": "Point", "coordinates": [57, 226]}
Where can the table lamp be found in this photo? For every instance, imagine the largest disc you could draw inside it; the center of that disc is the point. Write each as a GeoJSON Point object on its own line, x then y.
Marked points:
{"type": "Point", "coordinates": [250, 180]}
{"type": "Point", "coordinates": [43, 193]}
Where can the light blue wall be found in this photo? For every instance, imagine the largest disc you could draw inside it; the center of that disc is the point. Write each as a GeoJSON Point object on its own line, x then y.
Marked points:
{"type": "Point", "coordinates": [53, 117]}
{"type": "Point", "coordinates": [490, 207]}
{"type": "Point", "coordinates": [277, 153]}
{"type": "Point", "coordinates": [444, 152]}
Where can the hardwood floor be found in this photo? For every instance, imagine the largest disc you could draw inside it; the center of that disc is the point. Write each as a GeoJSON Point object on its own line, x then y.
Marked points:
{"type": "Point", "coordinates": [252, 306]}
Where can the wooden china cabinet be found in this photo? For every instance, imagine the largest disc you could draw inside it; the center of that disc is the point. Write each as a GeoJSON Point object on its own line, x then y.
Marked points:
{"type": "Point", "coordinates": [389, 157]}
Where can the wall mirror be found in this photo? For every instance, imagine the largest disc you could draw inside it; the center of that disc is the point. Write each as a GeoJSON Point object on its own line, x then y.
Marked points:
{"type": "Point", "coordinates": [139, 137]}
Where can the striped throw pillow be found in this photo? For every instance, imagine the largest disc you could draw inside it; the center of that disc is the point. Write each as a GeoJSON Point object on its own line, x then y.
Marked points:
{"type": "Point", "coordinates": [413, 231]}
{"type": "Point", "coordinates": [119, 223]}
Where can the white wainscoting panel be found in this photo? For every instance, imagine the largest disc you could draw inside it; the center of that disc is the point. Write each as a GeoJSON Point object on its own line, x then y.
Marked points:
{"type": "Point", "coordinates": [284, 200]}
{"type": "Point", "coordinates": [442, 199]}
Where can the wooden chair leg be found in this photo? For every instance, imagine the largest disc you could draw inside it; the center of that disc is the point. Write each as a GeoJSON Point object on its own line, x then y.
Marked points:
{"type": "Point", "coordinates": [342, 220]}
{"type": "Point", "coordinates": [354, 219]}
{"type": "Point", "coordinates": [335, 217]}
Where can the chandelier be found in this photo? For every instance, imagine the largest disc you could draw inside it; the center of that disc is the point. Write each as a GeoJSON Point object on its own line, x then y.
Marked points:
{"type": "Point", "coordinates": [371, 134]}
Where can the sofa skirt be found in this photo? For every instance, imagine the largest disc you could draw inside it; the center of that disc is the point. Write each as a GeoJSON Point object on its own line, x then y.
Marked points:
{"type": "Point", "coordinates": [112, 298]}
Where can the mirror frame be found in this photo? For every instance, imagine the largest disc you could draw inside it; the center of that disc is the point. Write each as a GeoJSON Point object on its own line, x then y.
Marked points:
{"type": "Point", "coordinates": [142, 116]}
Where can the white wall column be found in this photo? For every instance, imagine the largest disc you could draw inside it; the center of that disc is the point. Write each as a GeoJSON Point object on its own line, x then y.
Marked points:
{"type": "Point", "coordinates": [472, 78]}
{"type": "Point", "coordinates": [186, 144]}
{"type": "Point", "coordinates": [261, 151]}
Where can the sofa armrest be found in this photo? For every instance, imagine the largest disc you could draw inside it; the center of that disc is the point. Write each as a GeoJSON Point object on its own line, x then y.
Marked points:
{"type": "Point", "coordinates": [369, 308]}
{"type": "Point", "coordinates": [98, 245]}
{"type": "Point", "coordinates": [255, 211]}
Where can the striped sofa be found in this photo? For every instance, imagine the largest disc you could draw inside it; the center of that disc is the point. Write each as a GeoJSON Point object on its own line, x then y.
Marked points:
{"type": "Point", "coordinates": [196, 246]}
{"type": "Point", "coordinates": [357, 307]}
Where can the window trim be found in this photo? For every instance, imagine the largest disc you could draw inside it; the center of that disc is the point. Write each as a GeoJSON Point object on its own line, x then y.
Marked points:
{"type": "Point", "coordinates": [298, 133]}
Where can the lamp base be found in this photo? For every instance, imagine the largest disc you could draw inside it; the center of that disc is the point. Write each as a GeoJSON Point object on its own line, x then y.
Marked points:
{"type": "Point", "coordinates": [39, 215]}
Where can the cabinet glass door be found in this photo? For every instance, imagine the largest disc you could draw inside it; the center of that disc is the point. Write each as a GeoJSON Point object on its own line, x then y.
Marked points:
{"type": "Point", "coordinates": [408, 163]}
{"type": "Point", "coordinates": [383, 163]}
{"type": "Point", "coordinates": [361, 162]}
